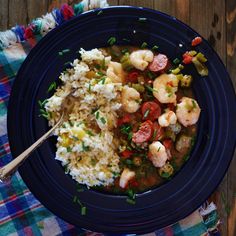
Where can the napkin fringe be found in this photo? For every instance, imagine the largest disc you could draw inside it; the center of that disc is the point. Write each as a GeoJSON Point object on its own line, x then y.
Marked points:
{"type": "Point", "coordinates": [41, 26]}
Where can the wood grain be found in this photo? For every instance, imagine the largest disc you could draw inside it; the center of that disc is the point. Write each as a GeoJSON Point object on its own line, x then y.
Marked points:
{"type": "Point", "coordinates": [138, 3]}
{"type": "Point", "coordinates": [18, 12]}
{"type": "Point", "coordinates": [176, 8]}
{"type": "Point", "coordinates": [36, 8]}
{"type": "Point", "coordinates": [4, 15]}
{"type": "Point", "coordinates": [231, 66]}
{"type": "Point", "coordinates": [208, 18]}
{"type": "Point", "coordinates": [113, 2]}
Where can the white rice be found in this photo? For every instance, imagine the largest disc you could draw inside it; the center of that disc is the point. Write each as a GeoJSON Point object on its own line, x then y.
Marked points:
{"type": "Point", "coordinates": [90, 155]}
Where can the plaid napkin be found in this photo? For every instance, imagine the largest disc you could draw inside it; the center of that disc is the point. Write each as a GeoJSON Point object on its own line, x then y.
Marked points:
{"type": "Point", "coordinates": [20, 212]}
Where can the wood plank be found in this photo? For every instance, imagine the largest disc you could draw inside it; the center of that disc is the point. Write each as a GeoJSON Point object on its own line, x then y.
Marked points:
{"type": "Point", "coordinates": [231, 66]}
{"type": "Point", "coordinates": [4, 14]}
{"type": "Point", "coordinates": [208, 19]}
{"type": "Point", "coordinates": [138, 3]}
{"type": "Point", "coordinates": [36, 8]}
{"type": "Point", "coordinates": [113, 2]}
{"type": "Point", "coordinates": [177, 8]}
{"type": "Point", "coordinates": [17, 12]}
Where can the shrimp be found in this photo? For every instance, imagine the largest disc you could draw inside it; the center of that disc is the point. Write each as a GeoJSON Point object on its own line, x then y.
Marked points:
{"type": "Point", "coordinates": [188, 111]}
{"type": "Point", "coordinates": [125, 177]}
{"type": "Point", "coordinates": [158, 154]}
{"type": "Point", "coordinates": [115, 72]}
{"type": "Point", "coordinates": [165, 87]}
{"type": "Point", "coordinates": [130, 99]}
{"type": "Point", "coordinates": [141, 58]}
{"type": "Point", "coordinates": [166, 119]}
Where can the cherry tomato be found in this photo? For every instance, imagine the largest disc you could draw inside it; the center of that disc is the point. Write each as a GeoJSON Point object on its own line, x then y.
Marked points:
{"type": "Point", "coordinates": [144, 133]}
{"type": "Point", "coordinates": [167, 143]}
{"type": "Point", "coordinates": [196, 41]}
{"type": "Point", "coordinates": [126, 154]}
{"type": "Point", "coordinates": [158, 131]}
{"type": "Point", "coordinates": [125, 119]}
{"type": "Point", "coordinates": [187, 59]}
{"type": "Point", "coordinates": [159, 63]}
{"type": "Point", "coordinates": [133, 183]}
{"type": "Point", "coordinates": [132, 77]}
{"type": "Point", "coordinates": [150, 111]}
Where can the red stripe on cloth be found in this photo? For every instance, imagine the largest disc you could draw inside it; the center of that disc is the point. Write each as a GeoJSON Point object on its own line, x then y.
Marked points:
{"type": "Point", "coordinates": [169, 231]}
{"type": "Point", "coordinates": [19, 213]}
{"type": "Point", "coordinates": [6, 147]}
{"type": "Point", "coordinates": [32, 41]}
{"type": "Point", "coordinates": [13, 197]}
{"type": "Point", "coordinates": [4, 80]}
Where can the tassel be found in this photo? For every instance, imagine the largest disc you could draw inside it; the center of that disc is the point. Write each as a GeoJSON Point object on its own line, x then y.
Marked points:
{"type": "Point", "coordinates": [7, 38]}
{"type": "Point", "coordinates": [67, 11]}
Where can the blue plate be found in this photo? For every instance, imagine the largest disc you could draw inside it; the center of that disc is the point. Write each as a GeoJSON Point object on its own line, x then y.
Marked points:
{"type": "Point", "coordinates": [105, 212]}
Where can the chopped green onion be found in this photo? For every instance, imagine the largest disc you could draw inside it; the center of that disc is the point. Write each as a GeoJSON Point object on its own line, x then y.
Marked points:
{"type": "Point", "coordinates": [103, 120]}
{"type": "Point", "coordinates": [151, 75]}
{"type": "Point", "coordinates": [131, 194]}
{"type": "Point", "coordinates": [125, 50]}
{"type": "Point", "coordinates": [103, 79]}
{"type": "Point", "coordinates": [130, 201]}
{"type": "Point", "coordinates": [97, 115]}
{"type": "Point", "coordinates": [65, 50]}
{"type": "Point", "coordinates": [155, 47]}
{"type": "Point", "coordinates": [194, 104]}
{"type": "Point", "coordinates": [70, 123]}
{"type": "Point", "coordinates": [68, 149]}
{"type": "Point", "coordinates": [89, 88]}
{"type": "Point", "coordinates": [99, 73]}
{"type": "Point", "coordinates": [75, 199]}
{"type": "Point", "coordinates": [158, 149]}
{"type": "Point", "coordinates": [144, 45]}
{"type": "Point", "coordinates": [111, 41]}
{"type": "Point", "coordinates": [52, 87]}
{"type": "Point", "coordinates": [83, 210]}
{"type": "Point", "coordinates": [130, 135]}
{"type": "Point", "coordinates": [154, 134]}
{"type": "Point", "coordinates": [142, 19]}
{"type": "Point", "coordinates": [126, 40]}
{"type": "Point", "coordinates": [176, 61]}
{"type": "Point", "coordinates": [103, 65]}
{"type": "Point", "coordinates": [75, 138]}
{"type": "Point", "coordinates": [90, 133]}
{"type": "Point", "coordinates": [85, 148]}
{"type": "Point", "coordinates": [99, 13]}
{"type": "Point", "coordinates": [150, 89]}
{"type": "Point", "coordinates": [129, 162]}
{"type": "Point", "coordinates": [146, 113]}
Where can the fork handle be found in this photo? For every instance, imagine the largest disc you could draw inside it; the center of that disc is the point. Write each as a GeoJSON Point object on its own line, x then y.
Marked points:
{"type": "Point", "coordinates": [9, 169]}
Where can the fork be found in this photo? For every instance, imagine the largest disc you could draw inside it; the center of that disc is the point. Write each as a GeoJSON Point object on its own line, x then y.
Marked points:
{"type": "Point", "coordinates": [9, 169]}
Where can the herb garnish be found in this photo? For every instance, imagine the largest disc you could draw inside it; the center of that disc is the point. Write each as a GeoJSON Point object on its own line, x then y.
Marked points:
{"type": "Point", "coordinates": [146, 113]}
{"type": "Point", "coordinates": [142, 19]}
{"type": "Point", "coordinates": [103, 120]}
{"type": "Point", "coordinates": [52, 87]}
{"type": "Point", "coordinates": [155, 47]}
{"type": "Point", "coordinates": [111, 41]}
{"type": "Point", "coordinates": [83, 209]}
{"type": "Point", "coordinates": [144, 45]}
{"type": "Point", "coordinates": [99, 13]}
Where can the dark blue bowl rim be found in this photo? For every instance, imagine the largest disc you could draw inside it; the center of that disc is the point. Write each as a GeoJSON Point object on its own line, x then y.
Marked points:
{"type": "Point", "coordinates": [27, 178]}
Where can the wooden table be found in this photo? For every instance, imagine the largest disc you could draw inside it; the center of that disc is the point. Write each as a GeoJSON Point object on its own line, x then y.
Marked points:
{"type": "Point", "coordinates": [213, 19]}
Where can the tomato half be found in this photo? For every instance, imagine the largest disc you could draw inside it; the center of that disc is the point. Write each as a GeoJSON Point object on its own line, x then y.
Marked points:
{"type": "Point", "coordinates": [125, 119]}
{"type": "Point", "coordinates": [132, 77]}
{"type": "Point", "coordinates": [126, 154]}
{"type": "Point", "coordinates": [168, 143]}
{"type": "Point", "coordinates": [150, 111]}
{"type": "Point", "coordinates": [144, 133]}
